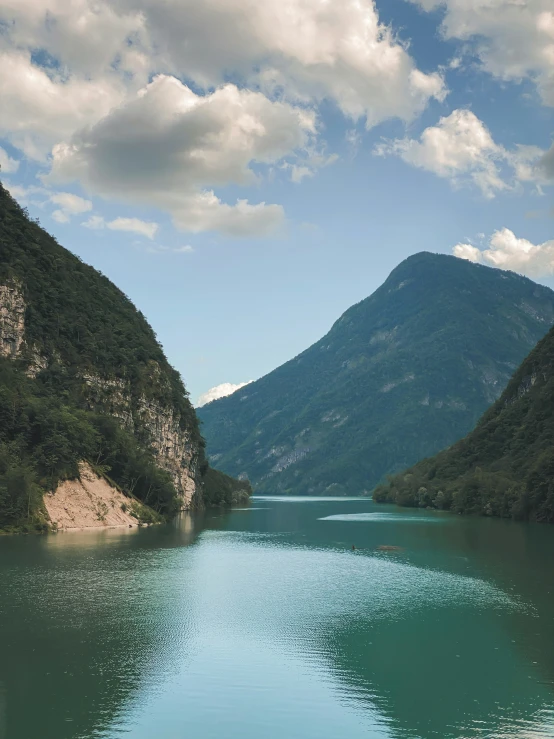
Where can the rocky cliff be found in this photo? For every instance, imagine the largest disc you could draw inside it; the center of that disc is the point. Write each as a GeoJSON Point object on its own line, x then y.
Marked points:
{"type": "Point", "coordinates": [176, 447]}
{"type": "Point", "coordinates": [12, 319]}
{"type": "Point", "coordinates": [83, 378]}
{"type": "Point", "coordinates": [175, 443]}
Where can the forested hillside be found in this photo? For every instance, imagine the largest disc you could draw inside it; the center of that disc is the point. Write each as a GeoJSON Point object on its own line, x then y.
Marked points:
{"type": "Point", "coordinates": [82, 377]}
{"type": "Point", "coordinates": [505, 466]}
{"type": "Point", "coordinates": [399, 376]}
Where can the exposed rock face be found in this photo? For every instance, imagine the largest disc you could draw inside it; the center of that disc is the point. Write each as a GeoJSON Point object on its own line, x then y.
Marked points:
{"type": "Point", "coordinates": [36, 364]}
{"type": "Point", "coordinates": [111, 395]}
{"type": "Point", "coordinates": [160, 426]}
{"type": "Point", "coordinates": [172, 445]}
{"type": "Point", "coordinates": [12, 320]}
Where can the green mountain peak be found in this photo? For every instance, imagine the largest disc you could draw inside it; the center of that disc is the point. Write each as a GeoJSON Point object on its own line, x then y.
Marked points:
{"type": "Point", "coordinates": [399, 376]}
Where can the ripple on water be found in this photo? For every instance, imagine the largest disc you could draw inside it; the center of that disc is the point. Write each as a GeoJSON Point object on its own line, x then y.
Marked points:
{"type": "Point", "coordinates": [386, 517]}
{"type": "Point", "coordinates": [311, 499]}
{"type": "Point", "coordinates": [315, 585]}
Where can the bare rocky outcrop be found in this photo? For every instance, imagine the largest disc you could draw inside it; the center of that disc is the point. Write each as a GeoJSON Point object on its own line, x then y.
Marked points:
{"type": "Point", "coordinates": [37, 363]}
{"type": "Point", "coordinates": [527, 382]}
{"type": "Point", "coordinates": [12, 319]}
{"type": "Point", "coordinates": [89, 502]}
{"type": "Point", "coordinates": [111, 395]}
{"type": "Point", "coordinates": [12, 329]}
{"type": "Point", "coordinates": [173, 447]}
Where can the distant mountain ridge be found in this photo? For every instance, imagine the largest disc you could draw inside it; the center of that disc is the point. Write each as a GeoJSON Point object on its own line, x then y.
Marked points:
{"type": "Point", "coordinates": [505, 466]}
{"type": "Point", "coordinates": [400, 375]}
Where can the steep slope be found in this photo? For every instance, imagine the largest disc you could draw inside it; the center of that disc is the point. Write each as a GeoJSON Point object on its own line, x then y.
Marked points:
{"type": "Point", "coordinates": [399, 376]}
{"type": "Point", "coordinates": [82, 377]}
{"type": "Point", "coordinates": [505, 466]}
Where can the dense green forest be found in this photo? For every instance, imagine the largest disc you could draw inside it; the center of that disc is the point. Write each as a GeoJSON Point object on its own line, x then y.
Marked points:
{"type": "Point", "coordinates": [221, 489]}
{"type": "Point", "coordinates": [78, 324]}
{"type": "Point", "coordinates": [76, 316]}
{"type": "Point", "coordinates": [505, 466]}
{"type": "Point", "coordinates": [399, 376]}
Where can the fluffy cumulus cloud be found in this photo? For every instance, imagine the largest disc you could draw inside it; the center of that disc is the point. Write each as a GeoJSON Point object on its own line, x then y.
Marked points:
{"type": "Point", "coordinates": [77, 78]}
{"type": "Point", "coordinates": [506, 251]}
{"type": "Point", "coordinates": [167, 145]}
{"type": "Point", "coordinates": [461, 148]}
{"type": "Point", "coordinates": [336, 49]}
{"type": "Point", "coordinates": [68, 205]}
{"type": "Point", "coordinates": [219, 391]}
{"type": "Point", "coordinates": [41, 106]}
{"type": "Point", "coordinates": [513, 39]}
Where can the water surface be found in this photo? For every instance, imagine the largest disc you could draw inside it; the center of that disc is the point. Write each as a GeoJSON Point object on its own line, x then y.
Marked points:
{"type": "Point", "coordinates": [264, 622]}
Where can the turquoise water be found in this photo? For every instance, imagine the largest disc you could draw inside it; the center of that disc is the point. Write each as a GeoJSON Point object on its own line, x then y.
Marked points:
{"type": "Point", "coordinates": [263, 622]}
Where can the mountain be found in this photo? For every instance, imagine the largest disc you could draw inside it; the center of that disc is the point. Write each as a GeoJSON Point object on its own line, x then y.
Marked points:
{"type": "Point", "coordinates": [84, 380]}
{"type": "Point", "coordinates": [505, 466]}
{"type": "Point", "coordinates": [402, 374]}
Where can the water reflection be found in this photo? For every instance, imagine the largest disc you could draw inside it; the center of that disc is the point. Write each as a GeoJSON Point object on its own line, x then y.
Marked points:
{"type": "Point", "coordinates": [264, 623]}
{"type": "Point", "coordinates": [87, 619]}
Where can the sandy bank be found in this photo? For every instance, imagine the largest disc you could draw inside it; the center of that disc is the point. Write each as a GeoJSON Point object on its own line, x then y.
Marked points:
{"type": "Point", "coordinates": [90, 502]}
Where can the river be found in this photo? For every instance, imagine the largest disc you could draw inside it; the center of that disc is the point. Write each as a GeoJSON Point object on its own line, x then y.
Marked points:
{"type": "Point", "coordinates": [265, 623]}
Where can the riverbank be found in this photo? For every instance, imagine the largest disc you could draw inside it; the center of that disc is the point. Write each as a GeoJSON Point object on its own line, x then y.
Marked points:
{"type": "Point", "coordinates": [89, 502]}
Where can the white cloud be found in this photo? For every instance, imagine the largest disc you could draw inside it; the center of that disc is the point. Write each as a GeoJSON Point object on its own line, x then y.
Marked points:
{"type": "Point", "coordinates": [70, 205]}
{"type": "Point", "coordinates": [468, 251]}
{"type": "Point", "coordinates": [168, 145]}
{"type": "Point", "coordinates": [7, 164]}
{"type": "Point", "coordinates": [89, 99]}
{"type": "Point", "coordinates": [310, 49]}
{"type": "Point", "coordinates": [337, 49]}
{"type": "Point", "coordinates": [40, 107]}
{"type": "Point", "coordinates": [461, 149]}
{"type": "Point", "coordinates": [506, 251]}
{"type": "Point", "coordinates": [514, 39]}
{"type": "Point", "coordinates": [131, 225]}
{"type": "Point", "coordinates": [95, 223]}
{"type": "Point", "coordinates": [86, 36]}
{"type": "Point", "coordinates": [219, 391]}
{"type": "Point", "coordinates": [18, 192]}
{"type": "Point", "coordinates": [134, 225]}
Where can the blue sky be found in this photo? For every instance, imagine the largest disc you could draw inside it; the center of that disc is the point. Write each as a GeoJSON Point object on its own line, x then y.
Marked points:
{"type": "Point", "coordinates": [246, 171]}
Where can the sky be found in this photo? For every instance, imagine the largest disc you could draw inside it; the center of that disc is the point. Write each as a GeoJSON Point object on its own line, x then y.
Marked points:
{"type": "Point", "coordinates": [245, 171]}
